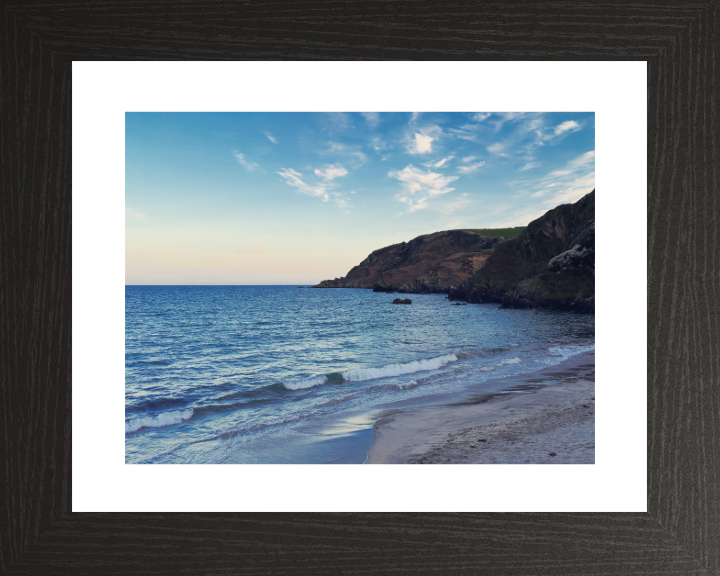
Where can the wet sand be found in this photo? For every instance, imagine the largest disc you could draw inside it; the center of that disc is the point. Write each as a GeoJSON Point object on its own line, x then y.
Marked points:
{"type": "Point", "coordinates": [548, 412]}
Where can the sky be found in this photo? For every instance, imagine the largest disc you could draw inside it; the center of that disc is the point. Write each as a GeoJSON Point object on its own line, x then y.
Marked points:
{"type": "Point", "coordinates": [296, 198]}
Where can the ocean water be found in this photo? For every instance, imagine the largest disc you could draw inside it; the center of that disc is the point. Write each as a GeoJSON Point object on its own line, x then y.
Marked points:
{"type": "Point", "coordinates": [281, 374]}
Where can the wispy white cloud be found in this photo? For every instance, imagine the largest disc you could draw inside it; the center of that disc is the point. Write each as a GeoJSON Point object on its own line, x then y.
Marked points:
{"type": "Point", "coordinates": [567, 184]}
{"type": "Point", "coordinates": [420, 186]}
{"type": "Point", "coordinates": [271, 137]}
{"type": "Point", "coordinates": [419, 181]}
{"type": "Point", "coordinates": [569, 126]}
{"type": "Point", "coordinates": [331, 172]}
{"type": "Point", "coordinates": [466, 132]}
{"type": "Point", "coordinates": [250, 166]}
{"type": "Point", "coordinates": [484, 130]}
{"type": "Point", "coordinates": [573, 190]}
{"type": "Point", "coordinates": [473, 131]}
{"type": "Point", "coordinates": [295, 179]}
{"type": "Point", "coordinates": [379, 146]}
{"type": "Point", "coordinates": [483, 126]}
{"type": "Point", "coordinates": [480, 128]}
{"type": "Point", "coordinates": [562, 186]}
{"type": "Point", "coordinates": [352, 154]}
{"type": "Point", "coordinates": [496, 148]}
{"type": "Point", "coordinates": [372, 118]}
{"type": "Point", "coordinates": [335, 121]}
{"type": "Point", "coordinates": [574, 165]}
{"type": "Point", "coordinates": [529, 166]}
{"type": "Point", "coordinates": [584, 159]}
{"type": "Point", "coordinates": [470, 167]}
{"type": "Point", "coordinates": [323, 188]}
{"type": "Point", "coordinates": [550, 134]}
{"type": "Point", "coordinates": [501, 118]}
{"type": "Point", "coordinates": [522, 132]}
{"type": "Point", "coordinates": [439, 163]}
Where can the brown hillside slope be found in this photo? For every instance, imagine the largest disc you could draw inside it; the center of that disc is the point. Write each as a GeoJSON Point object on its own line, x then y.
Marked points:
{"type": "Point", "coordinates": [429, 263]}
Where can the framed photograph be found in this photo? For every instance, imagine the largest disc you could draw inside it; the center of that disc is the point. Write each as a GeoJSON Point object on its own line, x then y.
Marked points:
{"type": "Point", "coordinates": [335, 203]}
{"type": "Point", "coordinates": [269, 258]}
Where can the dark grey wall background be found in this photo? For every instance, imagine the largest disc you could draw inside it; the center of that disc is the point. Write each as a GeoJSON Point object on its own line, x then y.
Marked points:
{"type": "Point", "coordinates": [681, 531]}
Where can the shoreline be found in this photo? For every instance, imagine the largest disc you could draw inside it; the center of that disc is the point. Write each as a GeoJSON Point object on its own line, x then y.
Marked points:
{"type": "Point", "coordinates": [536, 414]}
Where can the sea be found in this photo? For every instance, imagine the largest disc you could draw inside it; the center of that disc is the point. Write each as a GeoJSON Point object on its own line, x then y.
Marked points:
{"type": "Point", "coordinates": [296, 375]}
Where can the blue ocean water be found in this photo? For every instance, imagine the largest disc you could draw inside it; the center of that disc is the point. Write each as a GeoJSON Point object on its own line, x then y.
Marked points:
{"type": "Point", "coordinates": [281, 374]}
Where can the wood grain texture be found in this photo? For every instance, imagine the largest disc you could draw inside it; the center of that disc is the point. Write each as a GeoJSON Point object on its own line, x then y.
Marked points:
{"type": "Point", "coordinates": [681, 532]}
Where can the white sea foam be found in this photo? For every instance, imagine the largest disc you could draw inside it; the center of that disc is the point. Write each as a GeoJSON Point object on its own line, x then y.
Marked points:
{"type": "Point", "coordinates": [360, 374]}
{"type": "Point", "coordinates": [568, 351]}
{"type": "Point", "coordinates": [306, 383]}
{"type": "Point", "coordinates": [164, 419]}
{"type": "Point", "coordinates": [493, 367]}
{"type": "Point", "coordinates": [406, 385]}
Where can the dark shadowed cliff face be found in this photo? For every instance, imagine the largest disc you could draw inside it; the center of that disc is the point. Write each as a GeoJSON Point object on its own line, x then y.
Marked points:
{"type": "Point", "coordinates": [429, 263]}
{"type": "Point", "coordinates": [550, 265]}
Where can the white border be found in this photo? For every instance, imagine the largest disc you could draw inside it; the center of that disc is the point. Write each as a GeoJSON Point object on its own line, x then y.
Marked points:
{"type": "Point", "coordinates": [103, 92]}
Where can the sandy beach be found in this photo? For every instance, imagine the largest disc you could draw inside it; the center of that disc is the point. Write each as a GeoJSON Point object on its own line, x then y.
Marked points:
{"type": "Point", "coordinates": [547, 417]}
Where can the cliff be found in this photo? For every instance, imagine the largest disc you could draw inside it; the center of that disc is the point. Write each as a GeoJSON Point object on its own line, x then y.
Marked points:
{"type": "Point", "coordinates": [551, 264]}
{"type": "Point", "coordinates": [429, 263]}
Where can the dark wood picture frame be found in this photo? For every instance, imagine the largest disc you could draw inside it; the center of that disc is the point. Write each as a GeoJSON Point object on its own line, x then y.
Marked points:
{"type": "Point", "coordinates": [680, 533]}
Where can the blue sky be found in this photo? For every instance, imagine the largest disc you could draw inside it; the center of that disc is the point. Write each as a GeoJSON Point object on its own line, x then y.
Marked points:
{"type": "Point", "coordinates": [295, 198]}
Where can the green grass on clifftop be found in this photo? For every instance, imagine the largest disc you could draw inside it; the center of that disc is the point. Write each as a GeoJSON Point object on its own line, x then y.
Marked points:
{"type": "Point", "coordinates": [508, 233]}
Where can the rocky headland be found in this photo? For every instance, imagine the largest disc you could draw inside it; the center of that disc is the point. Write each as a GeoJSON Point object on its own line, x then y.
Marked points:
{"type": "Point", "coordinates": [551, 264]}
{"type": "Point", "coordinates": [430, 263]}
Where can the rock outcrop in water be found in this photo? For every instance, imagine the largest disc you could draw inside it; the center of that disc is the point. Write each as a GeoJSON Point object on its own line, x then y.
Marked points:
{"type": "Point", "coordinates": [551, 264]}
{"type": "Point", "coordinates": [432, 263]}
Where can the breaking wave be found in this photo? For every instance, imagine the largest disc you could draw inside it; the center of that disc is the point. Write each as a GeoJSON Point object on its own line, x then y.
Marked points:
{"type": "Point", "coordinates": [164, 419]}
{"type": "Point", "coordinates": [360, 374]}
{"type": "Point", "coordinates": [306, 383]}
